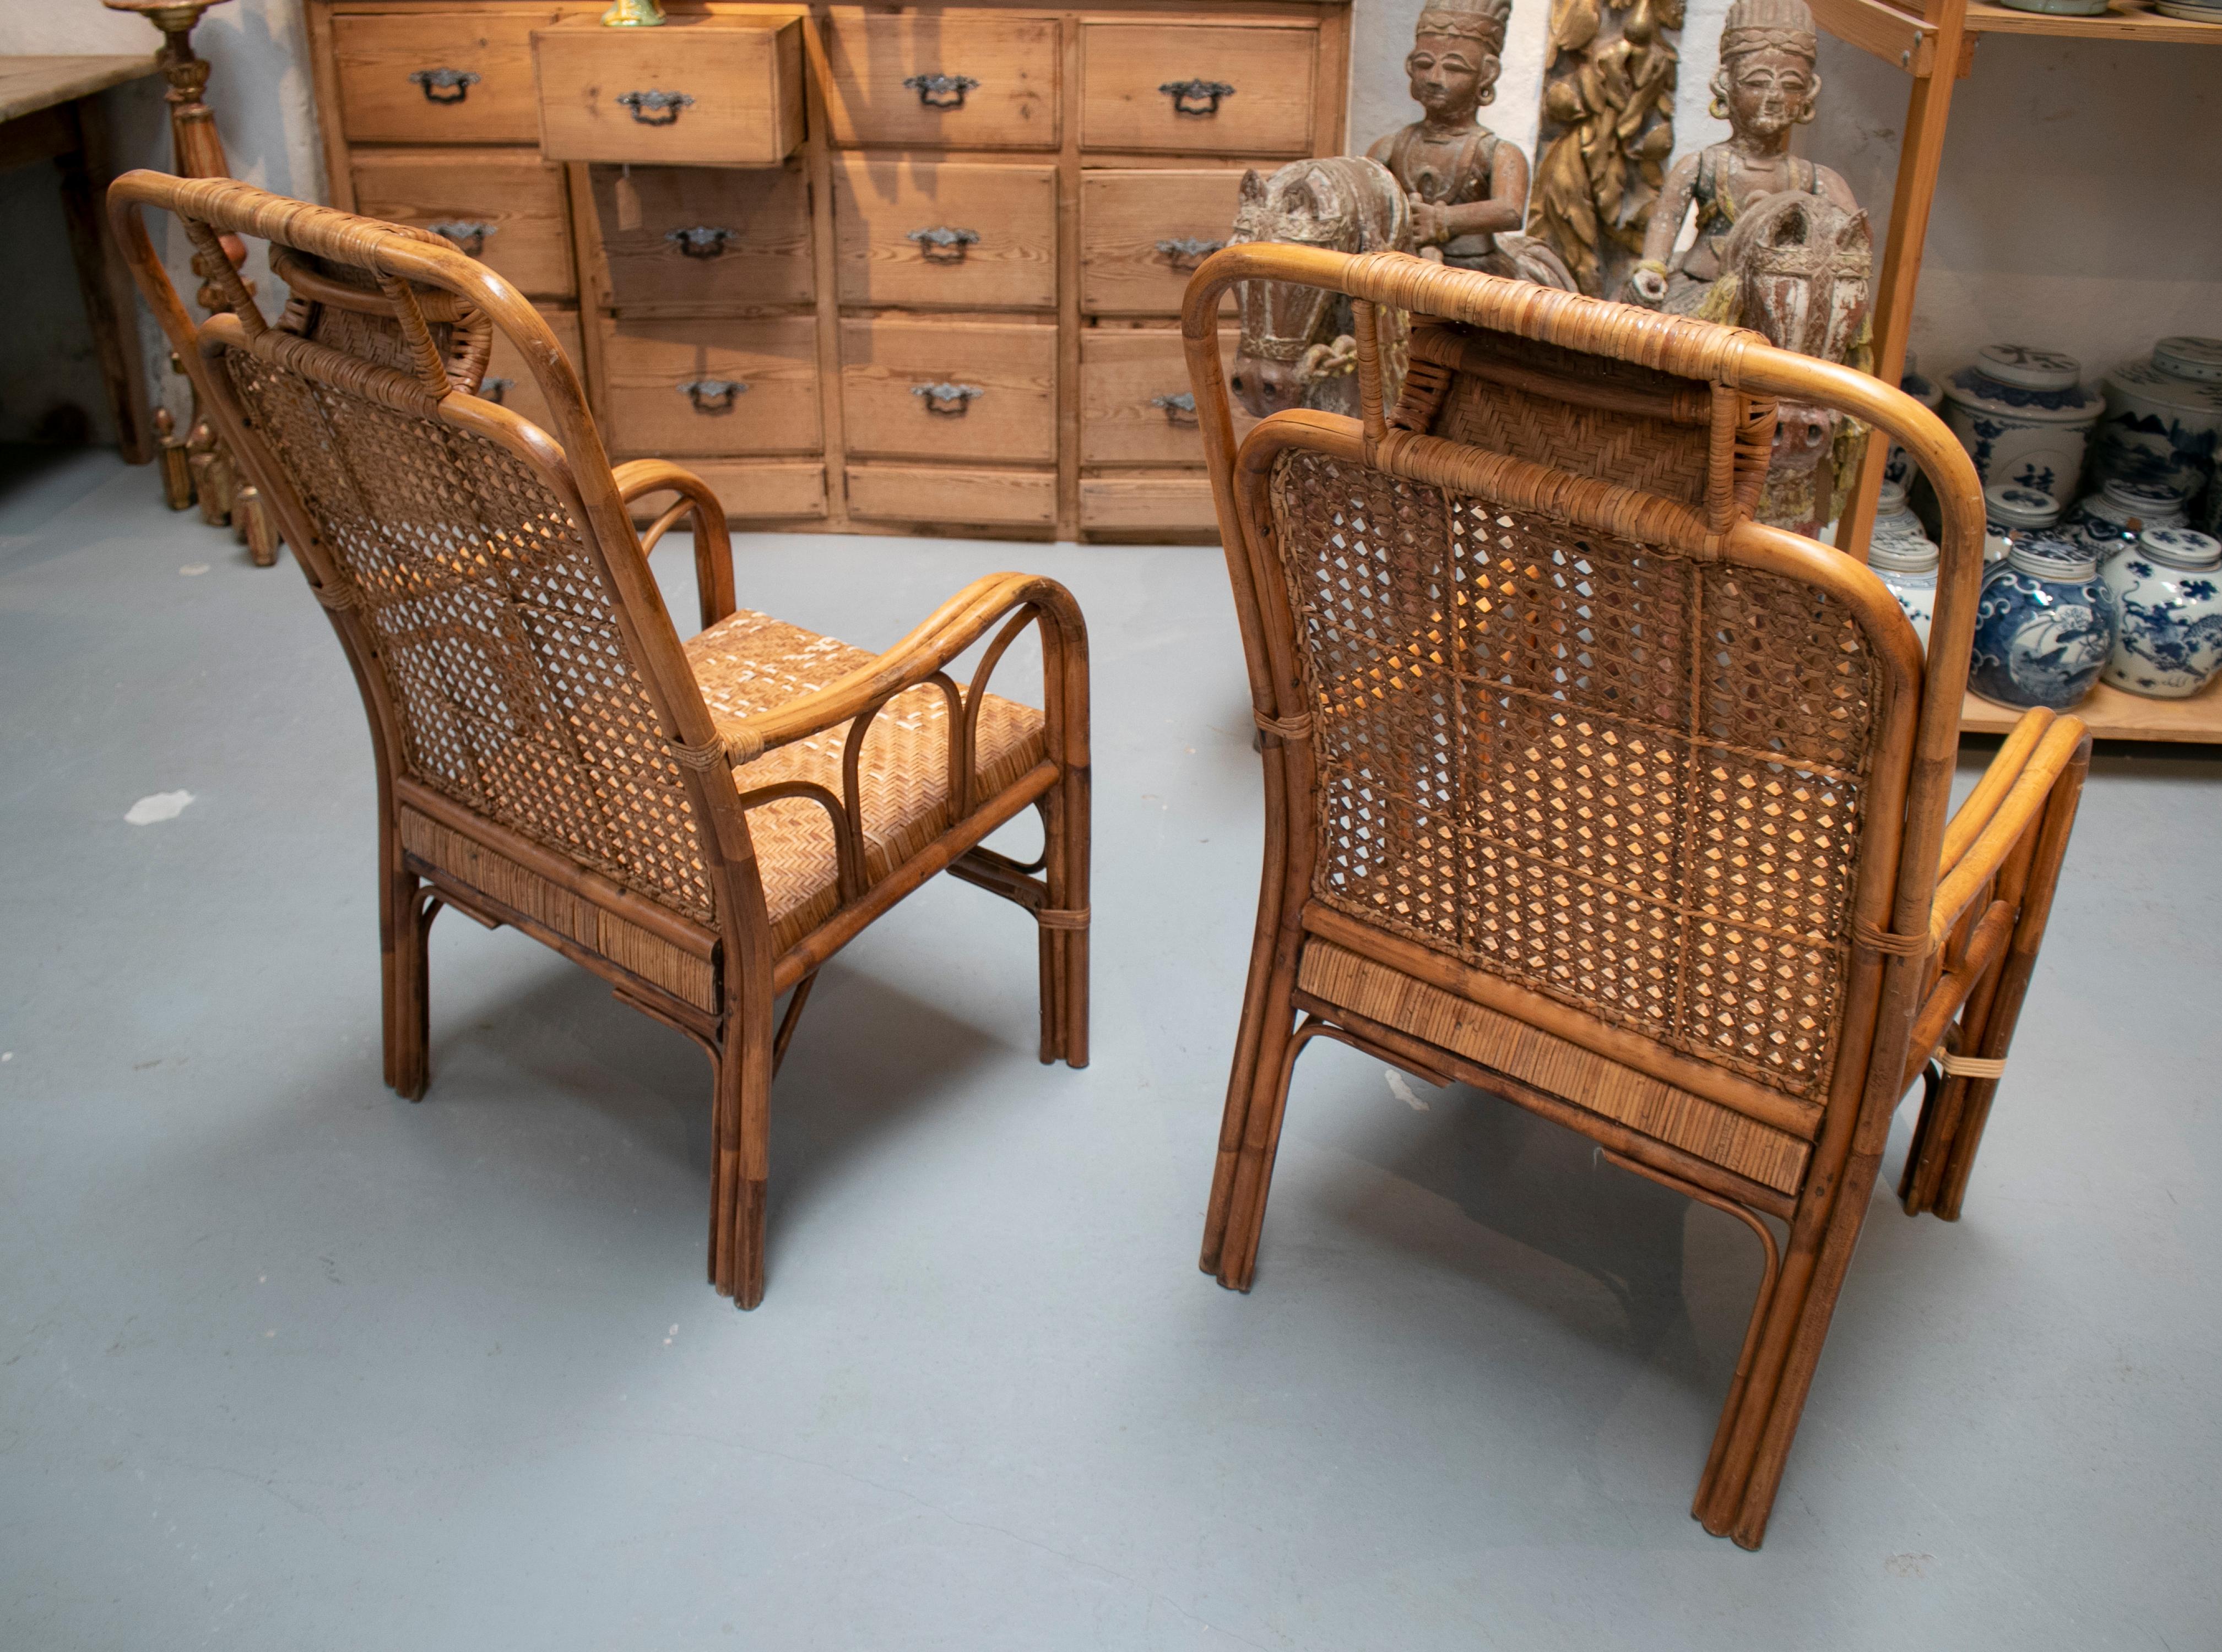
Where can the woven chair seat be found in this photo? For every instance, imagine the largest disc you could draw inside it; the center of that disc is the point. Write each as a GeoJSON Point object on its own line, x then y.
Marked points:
{"type": "Point", "coordinates": [750, 663]}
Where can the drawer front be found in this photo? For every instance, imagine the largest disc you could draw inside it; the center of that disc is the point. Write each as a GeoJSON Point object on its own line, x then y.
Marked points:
{"type": "Point", "coordinates": [1143, 503]}
{"type": "Point", "coordinates": [763, 491]}
{"type": "Point", "coordinates": [509, 384]}
{"type": "Point", "coordinates": [949, 390]}
{"type": "Point", "coordinates": [677, 387]}
{"type": "Point", "coordinates": [941, 79]}
{"type": "Point", "coordinates": [700, 91]}
{"type": "Point", "coordinates": [438, 77]}
{"type": "Point", "coordinates": [1135, 404]}
{"type": "Point", "coordinates": [1207, 89]}
{"type": "Point", "coordinates": [958, 497]}
{"type": "Point", "coordinates": [945, 236]}
{"type": "Point", "coordinates": [502, 206]}
{"type": "Point", "coordinates": [708, 237]}
{"type": "Point", "coordinates": [1142, 234]}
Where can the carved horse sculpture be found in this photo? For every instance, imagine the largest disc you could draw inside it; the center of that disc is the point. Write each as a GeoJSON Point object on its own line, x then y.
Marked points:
{"type": "Point", "coordinates": [1298, 348]}
{"type": "Point", "coordinates": [1797, 269]}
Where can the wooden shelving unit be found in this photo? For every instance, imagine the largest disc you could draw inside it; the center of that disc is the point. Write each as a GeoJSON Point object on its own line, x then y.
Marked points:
{"type": "Point", "coordinates": [1934, 41]}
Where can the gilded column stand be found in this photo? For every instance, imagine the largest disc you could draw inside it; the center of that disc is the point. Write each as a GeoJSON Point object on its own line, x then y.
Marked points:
{"type": "Point", "coordinates": [195, 468]}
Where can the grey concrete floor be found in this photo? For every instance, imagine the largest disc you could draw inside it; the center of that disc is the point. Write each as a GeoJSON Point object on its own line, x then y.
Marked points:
{"type": "Point", "coordinates": [288, 1362]}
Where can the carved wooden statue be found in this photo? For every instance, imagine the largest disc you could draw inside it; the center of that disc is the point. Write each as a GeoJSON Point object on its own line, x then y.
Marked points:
{"type": "Point", "coordinates": [1467, 187]}
{"type": "Point", "coordinates": [1607, 127]}
{"type": "Point", "coordinates": [1298, 347]}
{"type": "Point", "coordinates": [1765, 87]}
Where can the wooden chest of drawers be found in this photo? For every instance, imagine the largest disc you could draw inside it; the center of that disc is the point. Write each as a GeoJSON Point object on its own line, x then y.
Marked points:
{"type": "Point", "coordinates": [931, 284]}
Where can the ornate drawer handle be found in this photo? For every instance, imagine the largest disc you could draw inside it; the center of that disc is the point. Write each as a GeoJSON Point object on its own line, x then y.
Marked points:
{"type": "Point", "coordinates": [654, 108]}
{"type": "Point", "coordinates": [700, 241]}
{"type": "Point", "coordinates": [1186, 253]}
{"type": "Point", "coordinates": [713, 395]}
{"type": "Point", "coordinates": [496, 390]}
{"type": "Point", "coordinates": [942, 91]}
{"type": "Point", "coordinates": [444, 85]}
{"type": "Point", "coordinates": [943, 245]}
{"type": "Point", "coordinates": [1197, 97]}
{"type": "Point", "coordinates": [1180, 411]}
{"type": "Point", "coordinates": [466, 232]}
{"type": "Point", "coordinates": [950, 401]}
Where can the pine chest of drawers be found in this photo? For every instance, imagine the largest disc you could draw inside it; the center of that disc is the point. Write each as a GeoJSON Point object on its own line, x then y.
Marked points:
{"type": "Point", "coordinates": [909, 269]}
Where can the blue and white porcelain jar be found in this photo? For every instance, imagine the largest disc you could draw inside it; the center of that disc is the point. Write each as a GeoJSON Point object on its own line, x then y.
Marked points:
{"type": "Point", "coordinates": [2168, 588]}
{"type": "Point", "coordinates": [2010, 513]}
{"type": "Point", "coordinates": [2113, 517]}
{"type": "Point", "coordinates": [2163, 420]}
{"type": "Point", "coordinates": [2024, 417]}
{"type": "Point", "coordinates": [2044, 626]}
{"type": "Point", "coordinates": [1906, 564]}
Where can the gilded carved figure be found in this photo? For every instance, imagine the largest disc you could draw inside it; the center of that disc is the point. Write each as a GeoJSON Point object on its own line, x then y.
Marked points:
{"type": "Point", "coordinates": [1467, 187]}
{"type": "Point", "coordinates": [1607, 130]}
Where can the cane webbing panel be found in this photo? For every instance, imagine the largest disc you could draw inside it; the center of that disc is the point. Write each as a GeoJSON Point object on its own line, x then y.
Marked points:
{"type": "Point", "coordinates": [749, 662]}
{"type": "Point", "coordinates": [1507, 1045]}
{"type": "Point", "coordinates": [497, 633]}
{"type": "Point", "coordinates": [624, 943]}
{"type": "Point", "coordinates": [1651, 454]}
{"type": "Point", "coordinates": [1617, 776]}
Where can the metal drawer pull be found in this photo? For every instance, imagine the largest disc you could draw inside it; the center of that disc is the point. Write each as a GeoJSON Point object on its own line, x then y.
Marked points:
{"type": "Point", "coordinates": [1197, 97]}
{"type": "Point", "coordinates": [950, 401]}
{"type": "Point", "coordinates": [1180, 411]}
{"type": "Point", "coordinates": [444, 85]}
{"type": "Point", "coordinates": [713, 395]}
{"type": "Point", "coordinates": [942, 91]}
{"type": "Point", "coordinates": [1188, 252]}
{"type": "Point", "coordinates": [496, 390]}
{"type": "Point", "coordinates": [943, 245]}
{"type": "Point", "coordinates": [700, 241]}
{"type": "Point", "coordinates": [466, 232]}
{"type": "Point", "coordinates": [654, 108]}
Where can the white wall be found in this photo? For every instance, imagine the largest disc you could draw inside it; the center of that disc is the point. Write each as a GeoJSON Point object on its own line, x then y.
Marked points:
{"type": "Point", "coordinates": [2080, 206]}
{"type": "Point", "coordinates": [259, 86]}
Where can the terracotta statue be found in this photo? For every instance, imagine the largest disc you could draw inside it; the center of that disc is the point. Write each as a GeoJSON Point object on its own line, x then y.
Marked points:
{"type": "Point", "coordinates": [1765, 86]}
{"type": "Point", "coordinates": [1468, 187]}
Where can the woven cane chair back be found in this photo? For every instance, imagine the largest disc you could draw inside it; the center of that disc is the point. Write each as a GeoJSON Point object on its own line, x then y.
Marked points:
{"type": "Point", "coordinates": [1570, 719]}
{"type": "Point", "coordinates": [503, 623]}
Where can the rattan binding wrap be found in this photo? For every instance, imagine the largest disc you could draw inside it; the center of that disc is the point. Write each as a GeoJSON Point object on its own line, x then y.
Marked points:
{"type": "Point", "coordinates": [1771, 1157]}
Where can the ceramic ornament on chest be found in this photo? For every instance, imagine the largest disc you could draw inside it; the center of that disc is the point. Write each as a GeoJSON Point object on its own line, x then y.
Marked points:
{"type": "Point", "coordinates": [1466, 187]}
{"type": "Point", "coordinates": [1781, 246]}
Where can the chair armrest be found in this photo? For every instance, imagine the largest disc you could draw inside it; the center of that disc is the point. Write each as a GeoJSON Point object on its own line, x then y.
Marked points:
{"type": "Point", "coordinates": [2007, 802]}
{"type": "Point", "coordinates": [944, 634]}
{"type": "Point", "coordinates": [713, 544]}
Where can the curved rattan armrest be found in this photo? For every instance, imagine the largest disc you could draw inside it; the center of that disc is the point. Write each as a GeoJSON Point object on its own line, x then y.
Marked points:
{"type": "Point", "coordinates": [2006, 803]}
{"type": "Point", "coordinates": [713, 545]}
{"type": "Point", "coordinates": [944, 634]}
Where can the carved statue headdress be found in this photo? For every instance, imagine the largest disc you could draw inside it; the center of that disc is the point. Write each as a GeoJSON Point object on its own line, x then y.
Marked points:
{"type": "Point", "coordinates": [1473, 19]}
{"type": "Point", "coordinates": [1756, 25]}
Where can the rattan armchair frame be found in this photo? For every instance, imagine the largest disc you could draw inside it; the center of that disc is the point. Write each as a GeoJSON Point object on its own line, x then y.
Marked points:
{"type": "Point", "coordinates": [693, 946]}
{"type": "Point", "coordinates": [1940, 926]}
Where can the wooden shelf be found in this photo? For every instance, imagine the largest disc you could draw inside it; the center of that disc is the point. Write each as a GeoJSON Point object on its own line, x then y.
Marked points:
{"type": "Point", "coordinates": [2112, 715]}
{"type": "Point", "coordinates": [2129, 20]}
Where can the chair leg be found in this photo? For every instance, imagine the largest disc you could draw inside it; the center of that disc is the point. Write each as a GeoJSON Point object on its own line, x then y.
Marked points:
{"type": "Point", "coordinates": [740, 1152]}
{"type": "Point", "coordinates": [1064, 940]}
{"type": "Point", "coordinates": [406, 910]}
{"type": "Point", "coordinates": [1251, 1172]}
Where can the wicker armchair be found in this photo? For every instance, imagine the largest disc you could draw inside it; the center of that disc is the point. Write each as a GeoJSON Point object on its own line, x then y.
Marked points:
{"type": "Point", "coordinates": [1585, 788]}
{"type": "Point", "coordinates": [701, 824]}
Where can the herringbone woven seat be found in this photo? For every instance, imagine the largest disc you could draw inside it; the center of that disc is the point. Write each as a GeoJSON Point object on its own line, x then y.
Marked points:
{"type": "Point", "coordinates": [702, 824]}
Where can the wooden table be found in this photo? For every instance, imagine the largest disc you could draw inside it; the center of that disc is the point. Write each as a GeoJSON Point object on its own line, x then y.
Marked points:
{"type": "Point", "coordinates": [49, 110]}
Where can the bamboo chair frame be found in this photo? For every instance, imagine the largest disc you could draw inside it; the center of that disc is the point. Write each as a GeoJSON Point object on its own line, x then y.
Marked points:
{"type": "Point", "coordinates": [714, 977]}
{"type": "Point", "coordinates": [1943, 920]}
